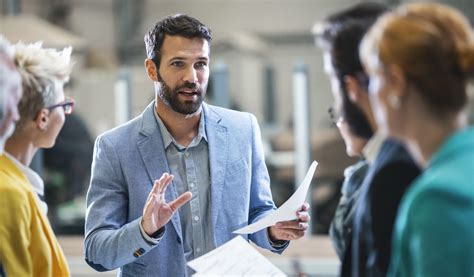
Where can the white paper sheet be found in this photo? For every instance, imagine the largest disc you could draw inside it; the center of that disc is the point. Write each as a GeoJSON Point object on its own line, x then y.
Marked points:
{"type": "Point", "coordinates": [287, 211]}
{"type": "Point", "coordinates": [234, 258]}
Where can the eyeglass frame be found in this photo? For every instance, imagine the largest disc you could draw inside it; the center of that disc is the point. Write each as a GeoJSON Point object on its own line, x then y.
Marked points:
{"type": "Point", "coordinates": [336, 117]}
{"type": "Point", "coordinates": [68, 102]}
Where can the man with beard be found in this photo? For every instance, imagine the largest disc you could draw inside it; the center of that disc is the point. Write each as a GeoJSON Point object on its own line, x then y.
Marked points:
{"type": "Point", "coordinates": [213, 175]}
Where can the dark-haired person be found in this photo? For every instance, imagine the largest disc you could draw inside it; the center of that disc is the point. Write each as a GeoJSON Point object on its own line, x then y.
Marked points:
{"type": "Point", "coordinates": [420, 59]}
{"type": "Point", "coordinates": [363, 223]}
{"type": "Point", "coordinates": [213, 175]}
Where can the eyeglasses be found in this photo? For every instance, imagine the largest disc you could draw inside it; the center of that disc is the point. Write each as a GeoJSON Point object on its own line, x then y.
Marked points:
{"type": "Point", "coordinates": [335, 116]}
{"type": "Point", "coordinates": [67, 105]}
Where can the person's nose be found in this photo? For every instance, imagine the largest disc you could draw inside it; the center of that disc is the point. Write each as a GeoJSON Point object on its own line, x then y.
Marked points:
{"type": "Point", "coordinates": [14, 113]}
{"type": "Point", "coordinates": [191, 75]}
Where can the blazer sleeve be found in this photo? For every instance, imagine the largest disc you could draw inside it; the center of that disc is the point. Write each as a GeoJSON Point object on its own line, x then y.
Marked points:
{"type": "Point", "coordinates": [110, 242]}
{"type": "Point", "coordinates": [15, 236]}
{"type": "Point", "coordinates": [261, 201]}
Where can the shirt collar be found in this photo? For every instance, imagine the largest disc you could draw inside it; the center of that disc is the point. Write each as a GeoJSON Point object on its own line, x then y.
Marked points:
{"type": "Point", "coordinates": [168, 138]}
{"type": "Point", "coordinates": [372, 148]}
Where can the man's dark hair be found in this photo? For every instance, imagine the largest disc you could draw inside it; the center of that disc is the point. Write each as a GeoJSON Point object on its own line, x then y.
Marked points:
{"type": "Point", "coordinates": [340, 34]}
{"type": "Point", "coordinates": [173, 25]}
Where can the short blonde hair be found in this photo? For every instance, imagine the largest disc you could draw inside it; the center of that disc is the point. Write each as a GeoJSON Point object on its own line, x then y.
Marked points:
{"type": "Point", "coordinates": [433, 44]}
{"type": "Point", "coordinates": [40, 68]}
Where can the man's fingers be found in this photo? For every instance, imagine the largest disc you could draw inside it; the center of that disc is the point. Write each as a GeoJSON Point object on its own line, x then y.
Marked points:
{"type": "Point", "coordinates": [167, 182]}
{"type": "Point", "coordinates": [304, 216]}
{"type": "Point", "coordinates": [150, 204]}
{"type": "Point", "coordinates": [297, 234]}
{"type": "Point", "coordinates": [292, 224]}
{"type": "Point", "coordinates": [294, 234]}
{"type": "Point", "coordinates": [154, 189]}
{"type": "Point", "coordinates": [304, 207]}
{"type": "Point", "coordinates": [291, 234]}
{"type": "Point", "coordinates": [303, 226]}
{"type": "Point", "coordinates": [160, 185]}
{"type": "Point", "coordinates": [157, 185]}
{"type": "Point", "coordinates": [180, 201]}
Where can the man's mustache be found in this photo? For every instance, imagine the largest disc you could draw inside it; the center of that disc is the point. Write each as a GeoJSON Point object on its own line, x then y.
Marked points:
{"type": "Point", "coordinates": [188, 85]}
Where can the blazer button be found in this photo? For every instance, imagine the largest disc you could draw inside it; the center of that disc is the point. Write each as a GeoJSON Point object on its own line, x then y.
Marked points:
{"type": "Point", "coordinates": [138, 252]}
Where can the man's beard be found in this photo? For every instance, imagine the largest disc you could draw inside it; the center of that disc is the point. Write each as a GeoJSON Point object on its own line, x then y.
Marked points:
{"type": "Point", "coordinates": [170, 97]}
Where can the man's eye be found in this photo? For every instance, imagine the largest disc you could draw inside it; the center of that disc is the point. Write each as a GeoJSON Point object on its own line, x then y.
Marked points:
{"type": "Point", "coordinates": [200, 64]}
{"type": "Point", "coordinates": [177, 63]}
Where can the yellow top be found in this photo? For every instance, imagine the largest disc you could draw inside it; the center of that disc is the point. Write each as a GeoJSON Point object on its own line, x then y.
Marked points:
{"type": "Point", "coordinates": [28, 246]}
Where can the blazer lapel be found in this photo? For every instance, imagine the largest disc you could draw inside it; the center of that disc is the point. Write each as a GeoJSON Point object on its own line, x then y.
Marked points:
{"type": "Point", "coordinates": [218, 152]}
{"type": "Point", "coordinates": [153, 154]}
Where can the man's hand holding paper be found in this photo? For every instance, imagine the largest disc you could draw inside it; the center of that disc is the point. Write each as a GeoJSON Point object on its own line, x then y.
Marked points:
{"type": "Point", "coordinates": [291, 229]}
{"type": "Point", "coordinates": [290, 221]}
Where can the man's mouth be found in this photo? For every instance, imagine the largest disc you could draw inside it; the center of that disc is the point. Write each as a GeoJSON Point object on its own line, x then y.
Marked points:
{"type": "Point", "coordinates": [188, 93]}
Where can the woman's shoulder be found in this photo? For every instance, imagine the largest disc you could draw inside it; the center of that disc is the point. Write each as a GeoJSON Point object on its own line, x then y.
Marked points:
{"type": "Point", "coordinates": [11, 185]}
{"type": "Point", "coordinates": [435, 192]}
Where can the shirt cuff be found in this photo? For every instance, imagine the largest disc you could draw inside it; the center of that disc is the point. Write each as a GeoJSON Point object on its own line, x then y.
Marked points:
{"type": "Point", "coordinates": [155, 238]}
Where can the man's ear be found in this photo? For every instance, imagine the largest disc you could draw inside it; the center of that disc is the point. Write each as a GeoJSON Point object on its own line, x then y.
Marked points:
{"type": "Point", "coordinates": [354, 89]}
{"type": "Point", "coordinates": [42, 119]}
{"type": "Point", "coordinates": [151, 70]}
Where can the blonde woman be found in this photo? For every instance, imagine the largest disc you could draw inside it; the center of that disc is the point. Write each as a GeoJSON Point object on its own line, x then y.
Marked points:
{"type": "Point", "coordinates": [28, 245]}
{"type": "Point", "coordinates": [420, 59]}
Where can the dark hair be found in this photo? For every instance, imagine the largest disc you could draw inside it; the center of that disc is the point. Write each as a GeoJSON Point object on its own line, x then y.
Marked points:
{"type": "Point", "coordinates": [340, 34]}
{"type": "Point", "coordinates": [173, 25]}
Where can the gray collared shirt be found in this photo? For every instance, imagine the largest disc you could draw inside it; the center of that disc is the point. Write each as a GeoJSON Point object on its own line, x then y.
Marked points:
{"type": "Point", "coordinates": [190, 167]}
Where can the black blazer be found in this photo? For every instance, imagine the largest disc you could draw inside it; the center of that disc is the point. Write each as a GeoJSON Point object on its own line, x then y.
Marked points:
{"type": "Point", "coordinates": [387, 178]}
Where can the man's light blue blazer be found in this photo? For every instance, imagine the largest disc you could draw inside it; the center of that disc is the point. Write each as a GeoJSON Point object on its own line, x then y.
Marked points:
{"type": "Point", "coordinates": [129, 158]}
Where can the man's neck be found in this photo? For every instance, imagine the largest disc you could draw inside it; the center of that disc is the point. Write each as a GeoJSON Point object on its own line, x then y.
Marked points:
{"type": "Point", "coordinates": [182, 127]}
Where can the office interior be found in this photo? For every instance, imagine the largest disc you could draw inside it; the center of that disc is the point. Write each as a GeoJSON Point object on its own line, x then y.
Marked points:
{"type": "Point", "coordinates": [263, 61]}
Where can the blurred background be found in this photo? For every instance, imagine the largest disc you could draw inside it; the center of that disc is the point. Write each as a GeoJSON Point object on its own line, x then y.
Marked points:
{"type": "Point", "coordinates": [263, 61]}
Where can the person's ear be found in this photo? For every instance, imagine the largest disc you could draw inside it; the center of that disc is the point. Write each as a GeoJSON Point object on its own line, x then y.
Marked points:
{"type": "Point", "coordinates": [396, 81]}
{"type": "Point", "coordinates": [42, 119]}
{"type": "Point", "coordinates": [354, 89]}
{"type": "Point", "coordinates": [151, 70]}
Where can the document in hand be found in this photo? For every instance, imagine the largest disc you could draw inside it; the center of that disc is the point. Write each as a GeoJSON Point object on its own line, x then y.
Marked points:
{"type": "Point", "coordinates": [234, 258]}
{"type": "Point", "coordinates": [287, 211]}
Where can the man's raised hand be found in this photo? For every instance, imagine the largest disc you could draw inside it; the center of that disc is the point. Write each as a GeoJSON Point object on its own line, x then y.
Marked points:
{"type": "Point", "coordinates": [157, 212]}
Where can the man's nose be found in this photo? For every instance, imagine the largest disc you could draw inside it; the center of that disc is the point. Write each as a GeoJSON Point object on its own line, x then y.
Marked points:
{"type": "Point", "coordinates": [191, 75]}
